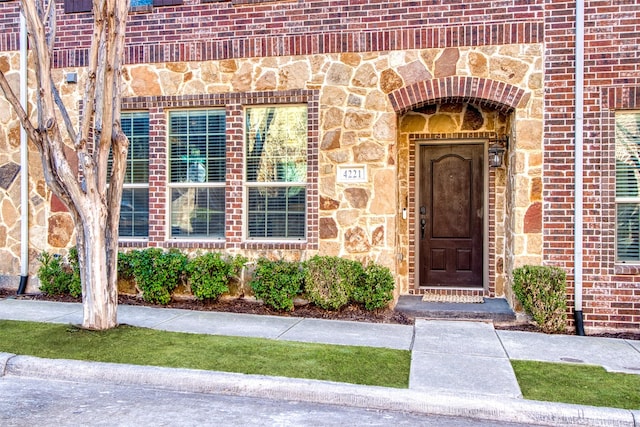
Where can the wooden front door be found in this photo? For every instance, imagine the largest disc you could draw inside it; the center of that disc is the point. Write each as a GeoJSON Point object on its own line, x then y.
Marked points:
{"type": "Point", "coordinates": [450, 215]}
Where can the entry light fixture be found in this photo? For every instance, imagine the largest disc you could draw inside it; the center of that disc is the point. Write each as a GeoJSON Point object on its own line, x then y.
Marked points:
{"type": "Point", "coordinates": [496, 151]}
{"type": "Point", "coordinates": [72, 77]}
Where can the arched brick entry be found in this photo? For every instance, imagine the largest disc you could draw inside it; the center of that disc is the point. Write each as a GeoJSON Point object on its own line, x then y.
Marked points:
{"type": "Point", "coordinates": [490, 95]}
{"type": "Point", "coordinates": [498, 95]}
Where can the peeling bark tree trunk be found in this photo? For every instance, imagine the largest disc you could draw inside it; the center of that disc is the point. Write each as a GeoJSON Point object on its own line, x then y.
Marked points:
{"type": "Point", "coordinates": [92, 197]}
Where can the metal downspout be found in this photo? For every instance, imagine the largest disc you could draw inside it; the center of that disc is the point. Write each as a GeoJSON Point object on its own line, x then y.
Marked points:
{"type": "Point", "coordinates": [24, 164]}
{"type": "Point", "coordinates": [579, 147]}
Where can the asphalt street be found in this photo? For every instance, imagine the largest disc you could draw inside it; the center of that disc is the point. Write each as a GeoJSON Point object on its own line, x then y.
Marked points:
{"type": "Point", "coordinates": [38, 402]}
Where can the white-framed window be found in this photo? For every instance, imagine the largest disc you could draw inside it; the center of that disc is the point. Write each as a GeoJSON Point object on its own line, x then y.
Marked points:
{"type": "Point", "coordinates": [276, 172]}
{"type": "Point", "coordinates": [628, 186]}
{"type": "Point", "coordinates": [197, 173]}
{"type": "Point", "coordinates": [134, 208]}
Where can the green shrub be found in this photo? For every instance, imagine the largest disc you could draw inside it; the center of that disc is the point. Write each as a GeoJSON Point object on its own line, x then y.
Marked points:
{"type": "Point", "coordinates": [54, 277]}
{"type": "Point", "coordinates": [277, 283]}
{"type": "Point", "coordinates": [157, 273]}
{"type": "Point", "coordinates": [330, 281]}
{"type": "Point", "coordinates": [209, 274]}
{"type": "Point", "coordinates": [125, 265]}
{"type": "Point", "coordinates": [75, 286]}
{"type": "Point", "coordinates": [59, 277]}
{"type": "Point", "coordinates": [542, 293]}
{"type": "Point", "coordinates": [376, 289]}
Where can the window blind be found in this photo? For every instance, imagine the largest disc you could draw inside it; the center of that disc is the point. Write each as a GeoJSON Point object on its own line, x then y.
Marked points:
{"type": "Point", "coordinates": [197, 172]}
{"type": "Point", "coordinates": [134, 209]}
{"type": "Point", "coordinates": [276, 171]}
{"type": "Point", "coordinates": [627, 186]}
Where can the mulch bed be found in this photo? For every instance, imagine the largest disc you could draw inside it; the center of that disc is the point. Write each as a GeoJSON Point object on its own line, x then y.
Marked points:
{"type": "Point", "coordinates": [529, 327]}
{"type": "Point", "coordinates": [249, 306]}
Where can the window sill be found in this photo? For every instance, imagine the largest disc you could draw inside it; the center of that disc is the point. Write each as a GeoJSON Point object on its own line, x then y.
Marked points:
{"type": "Point", "coordinates": [133, 243]}
{"type": "Point", "coordinates": [274, 244]}
{"type": "Point", "coordinates": [147, 8]}
{"type": "Point", "coordinates": [626, 269]}
{"type": "Point", "coordinates": [246, 2]}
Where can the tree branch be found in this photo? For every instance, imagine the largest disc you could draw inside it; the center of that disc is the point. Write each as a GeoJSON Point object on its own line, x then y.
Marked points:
{"type": "Point", "coordinates": [33, 133]}
{"type": "Point", "coordinates": [58, 172]}
{"type": "Point", "coordinates": [49, 20]}
{"type": "Point", "coordinates": [120, 147]}
{"type": "Point", "coordinates": [71, 131]}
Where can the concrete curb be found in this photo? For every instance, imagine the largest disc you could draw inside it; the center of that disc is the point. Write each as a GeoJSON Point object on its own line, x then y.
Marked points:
{"type": "Point", "coordinates": [435, 403]}
{"type": "Point", "coordinates": [4, 358]}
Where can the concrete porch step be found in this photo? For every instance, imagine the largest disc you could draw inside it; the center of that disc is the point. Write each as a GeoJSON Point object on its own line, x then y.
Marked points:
{"type": "Point", "coordinates": [496, 309]}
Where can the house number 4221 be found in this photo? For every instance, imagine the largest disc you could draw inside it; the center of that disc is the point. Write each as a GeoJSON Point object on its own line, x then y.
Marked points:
{"type": "Point", "coordinates": [352, 173]}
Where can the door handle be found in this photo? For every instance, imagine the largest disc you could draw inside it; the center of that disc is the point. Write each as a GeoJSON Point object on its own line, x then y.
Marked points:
{"type": "Point", "coordinates": [423, 223]}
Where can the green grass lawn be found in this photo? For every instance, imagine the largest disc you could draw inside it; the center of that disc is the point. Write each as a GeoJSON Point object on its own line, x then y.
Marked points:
{"type": "Point", "coordinates": [140, 346]}
{"type": "Point", "coordinates": [581, 384]}
{"type": "Point", "coordinates": [586, 385]}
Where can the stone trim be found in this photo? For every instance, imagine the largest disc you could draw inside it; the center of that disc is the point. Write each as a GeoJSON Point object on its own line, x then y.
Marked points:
{"type": "Point", "coordinates": [491, 93]}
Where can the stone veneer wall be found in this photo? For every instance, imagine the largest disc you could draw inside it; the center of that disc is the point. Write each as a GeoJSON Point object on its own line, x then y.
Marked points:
{"type": "Point", "coordinates": [204, 30]}
{"type": "Point", "coordinates": [515, 229]}
{"type": "Point", "coordinates": [10, 204]}
{"type": "Point", "coordinates": [358, 125]}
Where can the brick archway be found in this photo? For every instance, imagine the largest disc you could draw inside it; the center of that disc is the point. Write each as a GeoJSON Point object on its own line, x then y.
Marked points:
{"type": "Point", "coordinates": [498, 95]}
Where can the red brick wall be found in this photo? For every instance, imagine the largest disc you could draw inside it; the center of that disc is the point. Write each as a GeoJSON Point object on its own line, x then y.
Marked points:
{"type": "Point", "coordinates": [217, 30]}
{"type": "Point", "coordinates": [9, 23]}
{"type": "Point", "coordinates": [612, 81]}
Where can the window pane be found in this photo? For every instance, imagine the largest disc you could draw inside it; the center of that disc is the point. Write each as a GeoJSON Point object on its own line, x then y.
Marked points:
{"type": "Point", "coordinates": [139, 148]}
{"type": "Point", "coordinates": [628, 231]}
{"type": "Point", "coordinates": [197, 151]}
{"type": "Point", "coordinates": [277, 212]}
{"type": "Point", "coordinates": [74, 6]}
{"type": "Point", "coordinates": [627, 186]}
{"type": "Point", "coordinates": [136, 127]}
{"type": "Point", "coordinates": [134, 212]}
{"type": "Point", "coordinates": [276, 154]}
{"type": "Point", "coordinates": [197, 212]}
{"type": "Point", "coordinates": [627, 154]}
{"type": "Point", "coordinates": [134, 209]}
{"type": "Point", "coordinates": [277, 144]}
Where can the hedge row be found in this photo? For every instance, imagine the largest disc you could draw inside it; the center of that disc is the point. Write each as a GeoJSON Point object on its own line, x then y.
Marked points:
{"type": "Point", "coordinates": [328, 282]}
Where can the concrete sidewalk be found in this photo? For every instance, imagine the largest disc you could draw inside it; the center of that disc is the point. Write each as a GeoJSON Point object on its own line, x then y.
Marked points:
{"type": "Point", "coordinates": [465, 359]}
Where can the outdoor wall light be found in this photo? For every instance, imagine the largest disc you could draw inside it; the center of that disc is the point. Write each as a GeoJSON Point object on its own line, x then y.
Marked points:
{"type": "Point", "coordinates": [72, 77]}
{"type": "Point", "coordinates": [497, 150]}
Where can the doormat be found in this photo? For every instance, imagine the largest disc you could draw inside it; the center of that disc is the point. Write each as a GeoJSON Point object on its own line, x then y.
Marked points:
{"type": "Point", "coordinates": [466, 299]}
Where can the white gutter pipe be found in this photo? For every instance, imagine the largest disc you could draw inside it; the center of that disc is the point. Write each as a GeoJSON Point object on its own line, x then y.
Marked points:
{"type": "Point", "coordinates": [579, 147]}
{"type": "Point", "coordinates": [24, 164]}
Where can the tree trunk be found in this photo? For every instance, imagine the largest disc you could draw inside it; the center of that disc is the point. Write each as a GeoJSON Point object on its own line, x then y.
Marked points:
{"type": "Point", "coordinates": [99, 284]}
{"type": "Point", "coordinates": [92, 196]}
